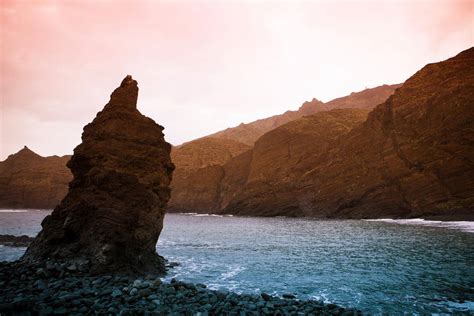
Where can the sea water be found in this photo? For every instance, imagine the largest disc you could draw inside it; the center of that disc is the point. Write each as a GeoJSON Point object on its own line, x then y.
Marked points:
{"type": "Point", "coordinates": [380, 266]}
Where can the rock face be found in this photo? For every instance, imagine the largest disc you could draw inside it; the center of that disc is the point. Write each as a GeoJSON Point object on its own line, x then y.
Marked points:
{"type": "Point", "coordinates": [275, 174]}
{"type": "Point", "coordinates": [198, 173]}
{"type": "Point", "coordinates": [212, 170]}
{"type": "Point", "coordinates": [28, 180]}
{"type": "Point", "coordinates": [412, 157]}
{"type": "Point", "coordinates": [250, 132]}
{"type": "Point", "coordinates": [113, 213]}
{"type": "Point", "coordinates": [205, 152]}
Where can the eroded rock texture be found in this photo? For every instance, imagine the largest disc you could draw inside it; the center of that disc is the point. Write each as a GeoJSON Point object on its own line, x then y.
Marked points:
{"type": "Point", "coordinates": [113, 212]}
{"type": "Point", "coordinates": [273, 178]}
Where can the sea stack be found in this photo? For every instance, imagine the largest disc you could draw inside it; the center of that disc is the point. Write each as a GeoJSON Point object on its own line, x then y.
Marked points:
{"type": "Point", "coordinates": [113, 213]}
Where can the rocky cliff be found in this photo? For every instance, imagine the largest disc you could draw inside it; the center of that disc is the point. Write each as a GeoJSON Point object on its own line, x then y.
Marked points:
{"type": "Point", "coordinates": [412, 157]}
{"type": "Point", "coordinates": [28, 180]}
{"type": "Point", "coordinates": [250, 132]}
{"type": "Point", "coordinates": [275, 173]}
{"type": "Point", "coordinates": [199, 184]}
{"type": "Point", "coordinates": [205, 152]}
{"type": "Point", "coordinates": [113, 213]}
{"type": "Point", "coordinates": [194, 191]}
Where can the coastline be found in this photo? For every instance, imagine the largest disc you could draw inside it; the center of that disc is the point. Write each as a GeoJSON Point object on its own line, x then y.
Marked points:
{"type": "Point", "coordinates": [453, 218]}
{"type": "Point", "coordinates": [67, 288]}
{"type": "Point", "coordinates": [439, 218]}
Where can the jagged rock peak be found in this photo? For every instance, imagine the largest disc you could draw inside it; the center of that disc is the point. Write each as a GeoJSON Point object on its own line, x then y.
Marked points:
{"type": "Point", "coordinates": [113, 213]}
{"type": "Point", "coordinates": [308, 107]}
{"type": "Point", "coordinates": [25, 152]}
{"type": "Point", "coordinates": [125, 96]}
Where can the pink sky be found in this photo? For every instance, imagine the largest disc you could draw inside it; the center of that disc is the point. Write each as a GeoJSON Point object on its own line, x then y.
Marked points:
{"type": "Point", "coordinates": [203, 66]}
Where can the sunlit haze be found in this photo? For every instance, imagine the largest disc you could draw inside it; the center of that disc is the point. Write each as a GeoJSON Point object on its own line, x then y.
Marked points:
{"type": "Point", "coordinates": [203, 66]}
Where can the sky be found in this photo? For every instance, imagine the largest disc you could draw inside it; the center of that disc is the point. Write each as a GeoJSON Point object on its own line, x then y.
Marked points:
{"type": "Point", "coordinates": [203, 66]}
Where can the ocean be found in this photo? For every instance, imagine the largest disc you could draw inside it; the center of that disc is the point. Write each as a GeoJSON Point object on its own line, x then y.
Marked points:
{"type": "Point", "coordinates": [377, 266]}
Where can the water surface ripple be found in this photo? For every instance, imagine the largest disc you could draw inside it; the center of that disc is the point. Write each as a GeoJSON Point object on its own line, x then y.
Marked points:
{"type": "Point", "coordinates": [376, 266]}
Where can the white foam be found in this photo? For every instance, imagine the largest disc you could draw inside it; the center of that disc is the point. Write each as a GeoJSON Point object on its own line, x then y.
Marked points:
{"type": "Point", "coordinates": [231, 273]}
{"type": "Point", "coordinates": [206, 214]}
{"type": "Point", "coordinates": [13, 211]}
{"type": "Point", "coordinates": [467, 306]}
{"type": "Point", "coordinates": [466, 226]}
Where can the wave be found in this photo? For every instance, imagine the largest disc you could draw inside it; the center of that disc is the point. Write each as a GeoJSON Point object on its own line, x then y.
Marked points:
{"type": "Point", "coordinates": [206, 214]}
{"type": "Point", "coordinates": [14, 211]}
{"type": "Point", "coordinates": [460, 225]}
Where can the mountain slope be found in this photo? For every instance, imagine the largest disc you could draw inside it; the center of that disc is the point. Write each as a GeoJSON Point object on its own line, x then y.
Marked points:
{"type": "Point", "coordinates": [282, 157]}
{"type": "Point", "coordinates": [200, 164]}
{"type": "Point", "coordinates": [412, 157]}
{"type": "Point", "coordinates": [250, 132]}
{"type": "Point", "coordinates": [207, 155]}
{"type": "Point", "coordinates": [205, 152]}
{"type": "Point", "coordinates": [28, 180]}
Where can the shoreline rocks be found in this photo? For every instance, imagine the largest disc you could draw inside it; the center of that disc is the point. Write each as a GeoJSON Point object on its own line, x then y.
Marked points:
{"type": "Point", "coordinates": [58, 288]}
{"type": "Point", "coordinates": [15, 241]}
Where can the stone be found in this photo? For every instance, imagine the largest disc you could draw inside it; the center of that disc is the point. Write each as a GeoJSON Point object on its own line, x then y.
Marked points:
{"type": "Point", "coordinates": [40, 285]}
{"type": "Point", "coordinates": [60, 311]}
{"type": "Point", "coordinates": [265, 296]}
{"type": "Point", "coordinates": [72, 267]}
{"type": "Point", "coordinates": [144, 292]}
{"type": "Point", "coordinates": [117, 198]}
{"type": "Point", "coordinates": [116, 293]}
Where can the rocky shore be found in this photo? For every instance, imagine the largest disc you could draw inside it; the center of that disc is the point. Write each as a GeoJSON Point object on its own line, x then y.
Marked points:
{"type": "Point", "coordinates": [68, 289]}
{"type": "Point", "coordinates": [15, 241]}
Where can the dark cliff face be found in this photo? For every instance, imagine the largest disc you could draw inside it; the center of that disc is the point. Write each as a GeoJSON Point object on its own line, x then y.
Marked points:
{"type": "Point", "coordinates": [211, 171]}
{"type": "Point", "coordinates": [196, 180]}
{"type": "Point", "coordinates": [275, 183]}
{"type": "Point", "coordinates": [412, 157]}
{"type": "Point", "coordinates": [28, 180]}
{"type": "Point", "coordinates": [113, 212]}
